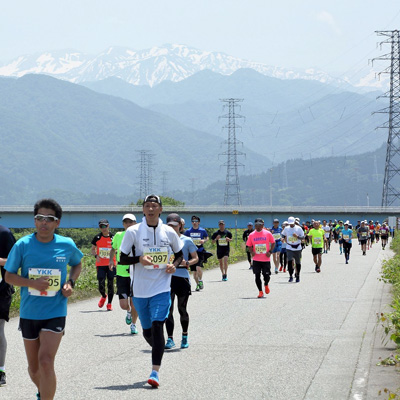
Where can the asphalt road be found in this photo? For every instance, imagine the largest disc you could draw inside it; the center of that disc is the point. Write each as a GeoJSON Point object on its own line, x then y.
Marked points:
{"type": "Point", "coordinates": [311, 340]}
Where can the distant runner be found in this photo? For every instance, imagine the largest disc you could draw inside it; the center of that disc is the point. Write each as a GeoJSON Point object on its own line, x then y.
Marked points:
{"type": "Point", "coordinates": [222, 237]}
{"type": "Point", "coordinates": [346, 235]}
{"type": "Point", "coordinates": [246, 234]}
{"type": "Point", "coordinates": [276, 231]}
{"type": "Point", "coordinates": [363, 234]}
{"type": "Point", "coordinates": [293, 235]}
{"type": "Point", "coordinates": [317, 235]}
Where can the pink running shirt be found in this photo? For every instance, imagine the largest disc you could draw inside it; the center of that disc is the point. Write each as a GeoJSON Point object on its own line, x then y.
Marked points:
{"type": "Point", "coordinates": [260, 241]}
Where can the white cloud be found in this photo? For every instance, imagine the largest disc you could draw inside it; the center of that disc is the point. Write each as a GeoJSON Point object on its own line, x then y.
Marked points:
{"type": "Point", "coordinates": [327, 18]}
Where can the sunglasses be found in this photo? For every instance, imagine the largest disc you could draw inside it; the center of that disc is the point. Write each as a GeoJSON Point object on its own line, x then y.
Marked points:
{"type": "Point", "coordinates": [103, 226]}
{"type": "Point", "coordinates": [47, 218]}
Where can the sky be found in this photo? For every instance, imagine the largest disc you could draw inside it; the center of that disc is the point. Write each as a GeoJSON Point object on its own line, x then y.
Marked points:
{"type": "Point", "coordinates": [332, 35]}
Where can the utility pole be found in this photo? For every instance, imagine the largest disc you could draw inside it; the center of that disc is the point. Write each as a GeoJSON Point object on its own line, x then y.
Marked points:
{"type": "Point", "coordinates": [146, 181]}
{"type": "Point", "coordinates": [192, 185]}
{"type": "Point", "coordinates": [232, 186]}
{"type": "Point", "coordinates": [164, 177]}
{"type": "Point", "coordinates": [391, 193]}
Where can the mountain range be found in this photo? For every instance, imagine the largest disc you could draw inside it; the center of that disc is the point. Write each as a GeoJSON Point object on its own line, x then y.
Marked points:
{"type": "Point", "coordinates": [171, 62]}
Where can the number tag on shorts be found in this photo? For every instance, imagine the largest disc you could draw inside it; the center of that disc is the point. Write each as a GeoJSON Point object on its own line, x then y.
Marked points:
{"type": "Point", "coordinates": [104, 252]}
{"type": "Point", "coordinates": [54, 279]}
{"type": "Point", "coordinates": [317, 240]}
{"type": "Point", "coordinates": [222, 242]}
{"type": "Point", "coordinates": [261, 248]}
{"type": "Point", "coordinates": [277, 236]}
{"type": "Point", "coordinates": [159, 256]}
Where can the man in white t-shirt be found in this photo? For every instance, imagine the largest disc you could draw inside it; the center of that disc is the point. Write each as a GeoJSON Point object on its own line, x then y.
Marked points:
{"type": "Point", "coordinates": [152, 244]}
{"type": "Point", "coordinates": [327, 242]}
{"type": "Point", "coordinates": [293, 235]}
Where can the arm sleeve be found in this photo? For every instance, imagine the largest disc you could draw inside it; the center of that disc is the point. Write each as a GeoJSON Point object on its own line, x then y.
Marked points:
{"type": "Point", "coordinates": [124, 259]}
{"type": "Point", "coordinates": [94, 241]}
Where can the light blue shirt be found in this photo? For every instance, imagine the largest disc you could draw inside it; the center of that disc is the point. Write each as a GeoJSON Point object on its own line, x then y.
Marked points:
{"type": "Point", "coordinates": [188, 247]}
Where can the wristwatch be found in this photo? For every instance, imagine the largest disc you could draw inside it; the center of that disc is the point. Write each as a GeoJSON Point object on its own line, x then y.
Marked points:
{"type": "Point", "coordinates": [71, 282]}
{"type": "Point", "coordinates": [187, 264]}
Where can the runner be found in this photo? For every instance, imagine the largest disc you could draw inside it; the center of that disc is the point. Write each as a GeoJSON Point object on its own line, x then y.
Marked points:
{"type": "Point", "coordinates": [283, 254]}
{"type": "Point", "coordinates": [338, 230]}
{"type": "Point", "coordinates": [384, 235]}
{"type": "Point", "coordinates": [41, 260]}
{"type": "Point", "coordinates": [246, 234]}
{"type": "Point", "coordinates": [357, 227]}
{"type": "Point", "coordinates": [377, 230]}
{"type": "Point", "coordinates": [371, 232]}
{"type": "Point", "coordinates": [327, 240]}
{"type": "Point", "coordinates": [7, 241]}
{"type": "Point", "coordinates": [222, 237]}
{"type": "Point", "coordinates": [363, 234]}
{"type": "Point", "coordinates": [123, 275]}
{"type": "Point", "coordinates": [153, 243]}
{"type": "Point", "coordinates": [317, 235]}
{"type": "Point", "coordinates": [199, 237]}
{"type": "Point", "coordinates": [276, 231]}
{"type": "Point", "coordinates": [346, 235]}
{"type": "Point", "coordinates": [293, 235]}
{"type": "Point", "coordinates": [180, 284]}
{"type": "Point", "coordinates": [101, 249]}
{"type": "Point", "coordinates": [262, 245]}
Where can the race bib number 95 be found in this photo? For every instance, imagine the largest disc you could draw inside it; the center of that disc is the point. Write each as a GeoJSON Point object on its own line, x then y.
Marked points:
{"type": "Point", "coordinates": [54, 280]}
{"type": "Point", "coordinates": [158, 255]}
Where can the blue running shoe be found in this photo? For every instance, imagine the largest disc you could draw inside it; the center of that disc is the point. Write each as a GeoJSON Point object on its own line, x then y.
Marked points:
{"type": "Point", "coordinates": [154, 379]}
{"type": "Point", "coordinates": [184, 342]}
{"type": "Point", "coordinates": [291, 279]}
{"type": "Point", "coordinates": [134, 330]}
{"type": "Point", "coordinates": [170, 344]}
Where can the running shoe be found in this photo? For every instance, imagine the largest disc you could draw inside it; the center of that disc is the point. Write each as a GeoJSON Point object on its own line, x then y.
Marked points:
{"type": "Point", "coordinates": [109, 307]}
{"type": "Point", "coordinates": [284, 269]}
{"type": "Point", "coordinates": [170, 344]}
{"type": "Point", "coordinates": [280, 269]}
{"type": "Point", "coordinates": [154, 379]}
{"type": "Point", "coordinates": [134, 330]}
{"type": "Point", "coordinates": [128, 318]}
{"type": "Point", "coordinates": [276, 270]}
{"type": "Point", "coordinates": [251, 267]}
{"type": "Point", "coordinates": [201, 285]}
{"type": "Point", "coordinates": [102, 301]}
{"type": "Point", "coordinates": [198, 288]}
{"type": "Point", "coordinates": [291, 279]}
{"type": "Point", "coordinates": [318, 270]}
{"type": "Point", "coordinates": [267, 289]}
{"type": "Point", "coordinates": [2, 378]}
{"type": "Point", "coordinates": [224, 277]}
{"type": "Point", "coordinates": [347, 262]}
{"type": "Point", "coordinates": [37, 396]}
{"type": "Point", "coordinates": [260, 295]}
{"type": "Point", "coordinates": [297, 279]}
{"type": "Point", "coordinates": [184, 342]}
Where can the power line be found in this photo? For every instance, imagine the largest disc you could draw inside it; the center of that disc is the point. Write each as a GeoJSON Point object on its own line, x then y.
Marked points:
{"type": "Point", "coordinates": [146, 179]}
{"type": "Point", "coordinates": [232, 186]}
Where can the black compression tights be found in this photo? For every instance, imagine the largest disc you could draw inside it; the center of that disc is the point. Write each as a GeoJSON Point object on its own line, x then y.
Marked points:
{"type": "Point", "coordinates": [258, 280]}
{"type": "Point", "coordinates": [291, 269]}
{"type": "Point", "coordinates": [283, 259]}
{"type": "Point", "coordinates": [249, 257]}
{"type": "Point", "coordinates": [182, 308]}
{"type": "Point", "coordinates": [155, 338]}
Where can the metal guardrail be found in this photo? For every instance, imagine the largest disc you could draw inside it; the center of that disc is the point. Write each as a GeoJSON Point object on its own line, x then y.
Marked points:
{"type": "Point", "coordinates": [218, 209]}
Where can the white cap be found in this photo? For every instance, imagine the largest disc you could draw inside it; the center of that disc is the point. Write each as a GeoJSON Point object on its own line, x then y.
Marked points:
{"type": "Point", "coordinates": [129, 216]}
{"type": "Point", "coordinates": [291, 220]}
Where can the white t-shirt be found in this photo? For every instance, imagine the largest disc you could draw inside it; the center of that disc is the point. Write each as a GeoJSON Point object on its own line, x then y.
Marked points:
{"type": "Point", "coordinates": [162, 241]}
{"type": "Point", "coordinates": [292, 243]}
{"type": "Point", "coordinates": [327, 230]}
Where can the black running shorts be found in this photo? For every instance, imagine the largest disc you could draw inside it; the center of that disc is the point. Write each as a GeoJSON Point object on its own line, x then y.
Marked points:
{"type": "Point", "coordinates": [123, 287]}
{"type": "Point", "coordinates": [31, 328]}
{"type": "Point", "coordinates": [263, 267]}
{"type": "Point", "coordinates": [316, 250]}
{"type": "Point", "coordinates": [180, 286]}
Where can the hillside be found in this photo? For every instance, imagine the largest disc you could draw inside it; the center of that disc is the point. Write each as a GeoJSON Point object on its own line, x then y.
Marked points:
{"type": "Point", "coordinates": [55, 135]}
{"type": "Point", "coordinates": [306, 117]}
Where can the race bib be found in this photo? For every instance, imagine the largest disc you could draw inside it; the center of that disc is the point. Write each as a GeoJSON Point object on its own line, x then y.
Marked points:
{"type": "Point", "coordinates": [383, 232]}
{"type": "Point", "coordinates": [346, 237]}
{"type": "Point", "coordinates": [54, 280]}
{"type": "Point", "coordinates": [223, 242]}
{"type": "Point", "coordinates": [277, 236]}
{"type": "Point", "coordinates": [261, 248]}
{"type": "Point", "coordinates": [364, 234]}
{"type": "Point", "coordinates": [292, 239]}
{"type": "Point", "coordinates": [159, 256]}
{"type": "Point", "coordinates": [197, 241]}
{"type": "Point", "coordinates": [104, 252]}
{"type": "Point", "coordinates": [317, 240]}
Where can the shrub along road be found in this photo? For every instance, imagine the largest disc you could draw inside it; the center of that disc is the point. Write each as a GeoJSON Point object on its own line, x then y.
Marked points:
{"type": "Point", "coordinates": [311, 340]}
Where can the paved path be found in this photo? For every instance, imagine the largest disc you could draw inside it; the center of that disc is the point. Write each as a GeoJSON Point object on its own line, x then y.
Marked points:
{"type": "Point", "coordinates": [311, 340]}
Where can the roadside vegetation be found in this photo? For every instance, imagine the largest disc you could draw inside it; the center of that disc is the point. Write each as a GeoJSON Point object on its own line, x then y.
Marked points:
{"type": "Point", "coordinates": [391, 320]}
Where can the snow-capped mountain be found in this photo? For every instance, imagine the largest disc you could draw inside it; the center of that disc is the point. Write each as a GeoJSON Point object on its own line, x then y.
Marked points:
{"type": "Point", "coordinates": [150, 66]}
